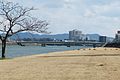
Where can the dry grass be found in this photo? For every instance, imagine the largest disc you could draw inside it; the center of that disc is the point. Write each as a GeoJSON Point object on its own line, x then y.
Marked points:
{"type": "Point", "coordinates": [89, 64]}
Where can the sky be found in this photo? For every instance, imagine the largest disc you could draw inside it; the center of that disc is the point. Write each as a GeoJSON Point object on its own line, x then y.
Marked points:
{"type": "Point", "coordinates": [89, 16]}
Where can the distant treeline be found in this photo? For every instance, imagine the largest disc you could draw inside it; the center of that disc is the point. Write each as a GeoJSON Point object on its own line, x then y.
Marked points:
{"type": "Point", "coordinates": [116, 45]}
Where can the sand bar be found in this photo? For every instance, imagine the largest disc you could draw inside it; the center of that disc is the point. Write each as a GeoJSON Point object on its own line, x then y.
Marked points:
{"type": "Point", "coordinates": [84, 64]}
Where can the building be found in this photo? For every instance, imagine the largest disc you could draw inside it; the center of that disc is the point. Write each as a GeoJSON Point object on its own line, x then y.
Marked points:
{"type": "Point", "coordinates": [117, 37]}
{"type": "Point", "coordinates": [102, 38]}
{"type": "Point", "coordinates": [75, 35]}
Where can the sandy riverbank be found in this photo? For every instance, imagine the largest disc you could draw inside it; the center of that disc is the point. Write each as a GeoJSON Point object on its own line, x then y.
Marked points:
{"type": "Point", "coordinates": [98, 64]}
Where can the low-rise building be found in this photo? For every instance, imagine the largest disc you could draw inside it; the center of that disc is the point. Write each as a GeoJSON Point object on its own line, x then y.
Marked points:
{"type": "Point", "coordinates": [117, 37]}
{"type": "Point", "coordinates": [102, 39]}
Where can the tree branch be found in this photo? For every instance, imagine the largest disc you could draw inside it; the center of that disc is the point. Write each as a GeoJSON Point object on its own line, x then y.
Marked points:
{"type": "Point", "coordinates": [17, 16]}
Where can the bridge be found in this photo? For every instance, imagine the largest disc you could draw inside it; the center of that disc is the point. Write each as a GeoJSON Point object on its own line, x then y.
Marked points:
{"type": "Point", "coordinates": [62, 43]}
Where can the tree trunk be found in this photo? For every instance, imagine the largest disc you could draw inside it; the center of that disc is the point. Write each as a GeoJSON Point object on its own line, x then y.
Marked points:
{"type": "Point", "coordinates": [3, 48]}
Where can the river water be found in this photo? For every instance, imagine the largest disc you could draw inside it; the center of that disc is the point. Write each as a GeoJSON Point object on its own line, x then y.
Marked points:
{"type": "Point", "coordinates": [13, 51]}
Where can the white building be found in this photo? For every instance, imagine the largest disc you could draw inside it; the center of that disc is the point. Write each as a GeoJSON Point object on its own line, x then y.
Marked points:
{"type": "Point", "coordinates": [76, 35]}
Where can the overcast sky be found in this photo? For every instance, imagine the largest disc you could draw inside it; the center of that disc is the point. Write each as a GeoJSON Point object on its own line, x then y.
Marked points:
{"type": "Point", "coordinates": [89, 16]}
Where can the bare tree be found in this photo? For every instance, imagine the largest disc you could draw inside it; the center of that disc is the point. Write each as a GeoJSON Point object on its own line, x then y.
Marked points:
{"type": "Point", "coordinates": [15, 18]}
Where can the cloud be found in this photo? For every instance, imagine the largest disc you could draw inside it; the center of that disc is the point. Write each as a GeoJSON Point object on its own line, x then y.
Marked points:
{"type": "Point", "coordinates": [112, 9]}
{"type": "Point", "coordinates": [96, 16]}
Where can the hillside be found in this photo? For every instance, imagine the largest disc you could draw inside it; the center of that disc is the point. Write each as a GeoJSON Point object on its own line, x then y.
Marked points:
{"type": "Point", "coordinates": [26, 35]}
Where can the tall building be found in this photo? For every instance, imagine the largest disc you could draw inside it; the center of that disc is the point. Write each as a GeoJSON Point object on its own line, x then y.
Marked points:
{"type": "Point", "coordinates": [75, 35]}
{"type": "Point", "coordinates": [117, 37]}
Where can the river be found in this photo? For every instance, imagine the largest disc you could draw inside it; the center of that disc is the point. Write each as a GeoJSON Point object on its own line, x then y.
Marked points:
{"type": "Point", "coordinates": [13, 51]}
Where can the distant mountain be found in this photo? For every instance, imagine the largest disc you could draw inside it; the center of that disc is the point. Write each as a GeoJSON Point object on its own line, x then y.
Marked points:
{"type": "Point", "coordinates": [57, 36]}
{"type": "Point", "coordinates": [25, 35]}
{"type": "Point", "coordinates": [38, 36]}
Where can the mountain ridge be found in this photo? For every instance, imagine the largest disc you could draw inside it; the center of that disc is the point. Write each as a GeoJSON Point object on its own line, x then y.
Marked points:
{"type": "Point", "coordinates": [52, 36]}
